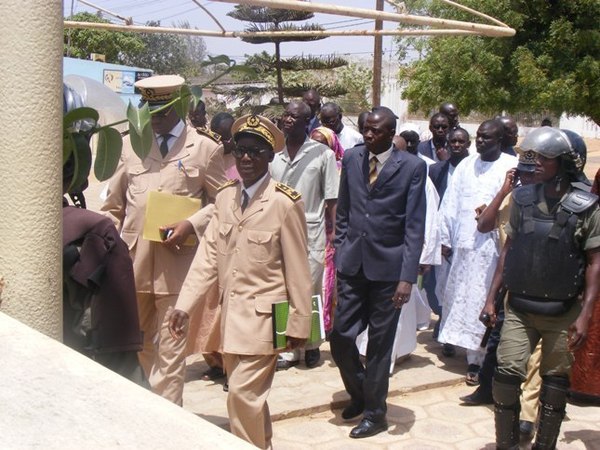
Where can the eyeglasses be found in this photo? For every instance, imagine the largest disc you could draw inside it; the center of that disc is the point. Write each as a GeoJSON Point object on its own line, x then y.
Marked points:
{"type": "Point", "coordinates": [253, 153]}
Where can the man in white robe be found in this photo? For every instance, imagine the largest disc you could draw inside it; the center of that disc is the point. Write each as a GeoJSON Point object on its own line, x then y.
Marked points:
{"type": "Point", "coordinates": [472, 254]}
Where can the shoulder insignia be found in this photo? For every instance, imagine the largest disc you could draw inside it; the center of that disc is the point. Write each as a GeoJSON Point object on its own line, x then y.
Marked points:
{"type": "Point", "coordinates": [227, 184]}
{"type": "Point", "coordinates": [578, 201]}
{"type": "Point", "coordinates": [294, 195]}
{"type": "Point", "coordinates": [209, 133]}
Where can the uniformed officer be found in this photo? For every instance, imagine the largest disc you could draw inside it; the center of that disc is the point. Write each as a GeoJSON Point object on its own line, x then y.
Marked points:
{"type": "Point", "coordinates": [181, 162]}
{"type": "Point", "coordinates": [256, 247]}
{"type": "Point", "coordinates": [551, 258]}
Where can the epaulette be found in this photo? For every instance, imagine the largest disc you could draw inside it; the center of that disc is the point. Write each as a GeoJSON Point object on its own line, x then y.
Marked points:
{"type": "Point", "coordinates": [209, 133]}
{"type": "Point", "coordinates": [232, 182]}
{"type": "Point", "coordinates": [578, 201]}
{"type": "Point", "coordinates": [294, 195]}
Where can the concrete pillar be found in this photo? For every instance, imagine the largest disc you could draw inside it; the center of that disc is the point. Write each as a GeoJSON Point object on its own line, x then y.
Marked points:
{"type": "Point", "coordinates": [30, 162]}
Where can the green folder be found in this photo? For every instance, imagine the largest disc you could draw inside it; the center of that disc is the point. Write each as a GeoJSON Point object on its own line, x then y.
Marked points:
{"type": "Point", "coordinates": [280, 312]}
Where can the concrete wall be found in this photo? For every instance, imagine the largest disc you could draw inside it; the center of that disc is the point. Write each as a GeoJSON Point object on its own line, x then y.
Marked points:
{"type": "Point", "coordinates": [55, 398]}
{"type": "Point", "coordinates": [31, 161]}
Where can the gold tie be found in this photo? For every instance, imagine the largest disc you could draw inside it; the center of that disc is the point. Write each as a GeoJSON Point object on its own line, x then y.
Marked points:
{"type": "Point", "coordinates": [372, 170]}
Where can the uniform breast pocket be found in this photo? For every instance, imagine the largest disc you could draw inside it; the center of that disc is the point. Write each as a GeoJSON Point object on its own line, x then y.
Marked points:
{"type": "Point", "coordinates": [187, 179]}
{"type": "Point", "coordinates": [260, 245]}
{"type": "Point", "coordinates": [224, 244]}
{"type": "Point", "coordinates": [138, 179]}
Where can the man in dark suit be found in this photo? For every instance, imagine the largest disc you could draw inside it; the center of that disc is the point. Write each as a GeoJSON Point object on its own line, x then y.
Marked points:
{"type": "Point", "coordinates": [440, 173]}
{"type": "Point", "coordinates": [379, 237]}
{"type": "Point", "coordinates": [435, 148]}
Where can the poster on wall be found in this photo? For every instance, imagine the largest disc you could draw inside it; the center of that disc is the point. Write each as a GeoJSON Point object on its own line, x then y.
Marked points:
{"type": "Point", "coordinates": [122, 81]}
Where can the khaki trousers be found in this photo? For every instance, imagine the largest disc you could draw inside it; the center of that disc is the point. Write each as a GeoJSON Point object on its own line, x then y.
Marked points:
{"type": "Point", "coordinates": [250, 379]}
{"type": "Point", "coordinates": [531, 387]}
{"type": "Point", "coordinates": [162, 358]}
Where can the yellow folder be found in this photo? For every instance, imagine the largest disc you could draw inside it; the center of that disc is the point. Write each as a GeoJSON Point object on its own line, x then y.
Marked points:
{"type": "Point", "coordinates": [165, 209]}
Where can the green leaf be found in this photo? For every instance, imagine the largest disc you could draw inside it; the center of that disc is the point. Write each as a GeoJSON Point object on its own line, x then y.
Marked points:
{"type": "Point", "coordinates": [196, 92]}
{"type": "Point", "coordinates": [79, 114]}
{"type": "Point", "coordinates": [108, 153]}
{"type": "Point", "coordinates": [219, 59]}
{"type": "Point", "coordinates": [244, 70]}
{"type": "Point", "coordinates": [182, 101]}
{"type": "Point", "coordinates": [82, 158]}
{"type": "Point", "coordinates": [140, 130]}
{"type": "Point", "coordinates": [138, 118]}
{"type": "Point", "coordinates": [68, 145]}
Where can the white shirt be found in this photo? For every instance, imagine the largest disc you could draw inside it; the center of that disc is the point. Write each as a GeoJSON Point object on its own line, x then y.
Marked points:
{"type": "Point", "coordinates": [175, 133]}
{"type": "Point", "coordinates": [349, 137]}
{"type": "Point", "coordinates": [381, 158]}
{"type": "Point", "coordinates": [250, 191]}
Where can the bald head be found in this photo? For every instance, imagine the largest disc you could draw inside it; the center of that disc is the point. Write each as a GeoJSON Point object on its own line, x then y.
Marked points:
{"type": "Point", "coordinates": [301, 108]}
{"type": "Point", "coordinates": [451, 111]}
{"type": "Point", "coordinates": [511, 131]}
{"type": "Point", "coordinates": [313, 100]}
{"type": "Point", "coordinates": [489, 139]}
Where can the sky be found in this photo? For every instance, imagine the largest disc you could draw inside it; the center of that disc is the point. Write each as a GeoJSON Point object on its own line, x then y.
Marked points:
{"type": "Point", "coordinates": [170, 12]}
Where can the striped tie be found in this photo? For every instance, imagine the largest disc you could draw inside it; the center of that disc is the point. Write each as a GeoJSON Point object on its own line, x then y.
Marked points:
{"type": "Point", "coordinates": [372, 170]}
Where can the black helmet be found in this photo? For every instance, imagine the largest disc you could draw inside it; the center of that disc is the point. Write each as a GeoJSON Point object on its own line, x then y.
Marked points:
{"type": "Point", "coordinates": [554, 143]}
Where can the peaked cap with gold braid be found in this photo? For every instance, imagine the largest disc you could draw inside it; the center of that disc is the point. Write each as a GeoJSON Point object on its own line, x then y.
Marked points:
{"type": "Point", "coordinates": [261, 127]}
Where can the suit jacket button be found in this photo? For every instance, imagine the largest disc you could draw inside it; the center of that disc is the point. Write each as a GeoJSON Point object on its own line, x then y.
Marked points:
{"type": "Point", "coordinates": [363, 234]}
{"type": "Point", "coordinates": [367, 215]}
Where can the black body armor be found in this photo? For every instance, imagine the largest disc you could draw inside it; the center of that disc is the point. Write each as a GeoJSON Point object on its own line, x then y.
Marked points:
{"type": "Point", "coordinates": [545, 264]}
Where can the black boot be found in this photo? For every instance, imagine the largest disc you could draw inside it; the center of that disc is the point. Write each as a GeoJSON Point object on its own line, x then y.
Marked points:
{"type": "Point", "coordinates": [506, 391]}
{"type": "Point", "coordinates": [553, 399]}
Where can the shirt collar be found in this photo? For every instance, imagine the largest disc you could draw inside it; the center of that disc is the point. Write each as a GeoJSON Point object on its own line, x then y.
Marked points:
{"type": "Point", "coordinates": [175, 131]}
{"type": "Point", "coordinates": [252, 189]}
{"type": "Point", "coordinates": [382, 157]}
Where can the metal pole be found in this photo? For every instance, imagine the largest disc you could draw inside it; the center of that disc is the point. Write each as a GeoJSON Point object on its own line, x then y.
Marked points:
{"type": "Point", "coordinates": [377, 56]}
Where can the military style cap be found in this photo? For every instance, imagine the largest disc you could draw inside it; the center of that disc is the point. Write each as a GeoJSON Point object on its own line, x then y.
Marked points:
{"type": "Point", "coordinates": [259, 126]}
{"type": "Point", "coordinates": [526, 160]}
{"type": "Point", "coordinates": [158, 90]}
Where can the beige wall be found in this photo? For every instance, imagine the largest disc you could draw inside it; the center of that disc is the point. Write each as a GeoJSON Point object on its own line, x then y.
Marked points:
{"type": "Point", "coordinates": [30, 162]}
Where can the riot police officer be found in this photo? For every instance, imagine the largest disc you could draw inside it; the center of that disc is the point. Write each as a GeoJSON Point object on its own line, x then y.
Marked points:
{"type": "Point", "coordinates": [552, 274]}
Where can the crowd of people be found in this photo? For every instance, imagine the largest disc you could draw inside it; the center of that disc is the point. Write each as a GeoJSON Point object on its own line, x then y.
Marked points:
{"type": "Point", "coordinates": [386, 228]}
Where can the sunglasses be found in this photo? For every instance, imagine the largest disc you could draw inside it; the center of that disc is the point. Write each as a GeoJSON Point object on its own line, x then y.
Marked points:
{"type": "Point", "coordinates": [253, 153]}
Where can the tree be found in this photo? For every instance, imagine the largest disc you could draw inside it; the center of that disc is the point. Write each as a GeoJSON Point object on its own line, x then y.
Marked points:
{"type": "Point", "coordinates": [115, 46]}
{"type": "Point", "coordinates": [170, 53]}
{"type": "Point", "coordinates": [552, 64]}
{"type": "Point", "coordinates": [270, 19]}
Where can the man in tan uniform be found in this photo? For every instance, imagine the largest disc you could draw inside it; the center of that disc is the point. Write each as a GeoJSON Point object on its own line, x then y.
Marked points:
{"type": "Point", "coordinates": [181, 162]}
{"type": "Point", "coordinates": [255, 247]}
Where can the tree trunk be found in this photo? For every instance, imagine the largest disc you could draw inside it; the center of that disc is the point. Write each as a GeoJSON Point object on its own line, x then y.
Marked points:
{"type": "Point", "coordinates": [279, 76]}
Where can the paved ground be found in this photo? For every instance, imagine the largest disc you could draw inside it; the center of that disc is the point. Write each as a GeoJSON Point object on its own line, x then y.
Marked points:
{"type": "Point", "coordinates": [424, 410]}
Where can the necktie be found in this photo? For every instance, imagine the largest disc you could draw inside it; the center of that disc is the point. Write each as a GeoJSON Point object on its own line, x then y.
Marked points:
{"type": "Point", "coordinates": [245, 200]}
{"type": "Point", "coordinates": [372, 170]}
{"type": "Point", "coordinates": [164, 145]}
